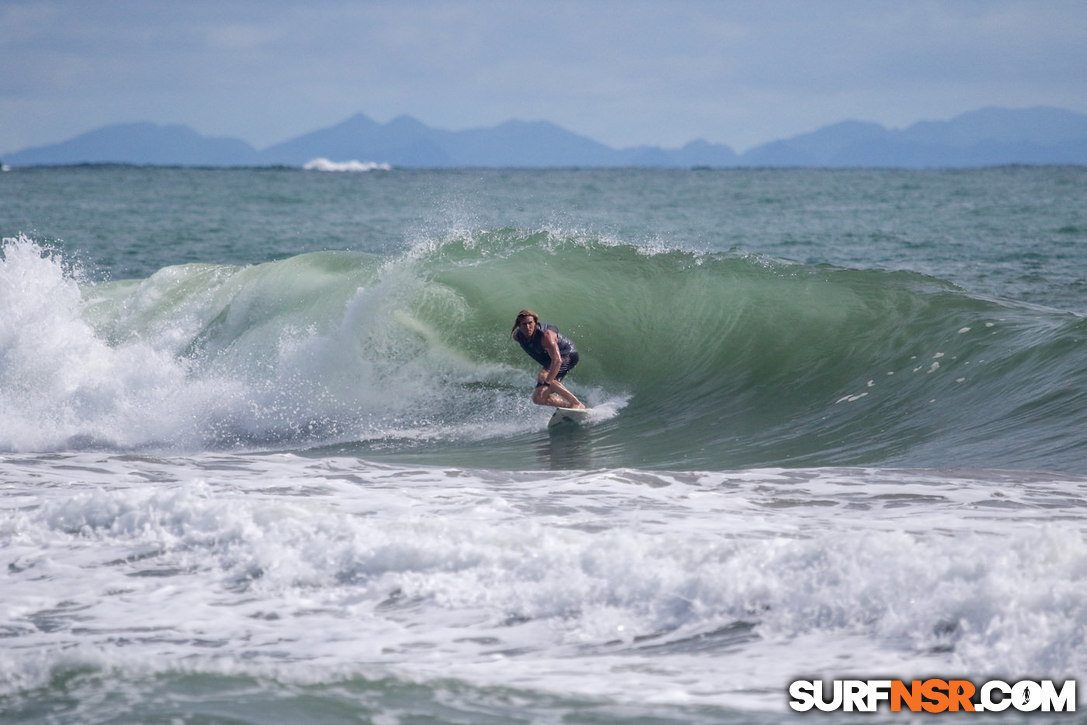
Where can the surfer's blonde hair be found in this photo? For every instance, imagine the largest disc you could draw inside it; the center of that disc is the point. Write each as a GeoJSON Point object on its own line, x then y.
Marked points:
{"type": "Point", "coordinates": [522, 315]}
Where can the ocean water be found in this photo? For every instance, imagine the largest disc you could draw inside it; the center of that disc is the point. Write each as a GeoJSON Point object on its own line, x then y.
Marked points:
{"type": "Point", "coordinates": [267, 453]}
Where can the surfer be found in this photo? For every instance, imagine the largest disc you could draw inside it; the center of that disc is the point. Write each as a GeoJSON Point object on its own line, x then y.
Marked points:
{"type": "Point", "coordinates": [556, 353]}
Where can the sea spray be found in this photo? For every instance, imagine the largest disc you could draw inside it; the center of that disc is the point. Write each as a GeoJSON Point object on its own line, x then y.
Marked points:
{"type": "Point", "coordinates": [60, 384]}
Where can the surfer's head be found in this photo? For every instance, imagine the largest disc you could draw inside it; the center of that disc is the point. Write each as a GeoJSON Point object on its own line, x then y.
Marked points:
{"type": "Point", "coordinates": [522, 320]}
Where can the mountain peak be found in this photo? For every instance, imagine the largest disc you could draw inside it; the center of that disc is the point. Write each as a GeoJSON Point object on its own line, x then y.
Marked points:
{"type": "Point", "coordinates": [404, 121]}
{"type": "Point", "coordinates": [1039, 125]}
{"type": "Point", "coordinates": [985, 137]}
{"type": "Point", "coordinates": [360, 121]}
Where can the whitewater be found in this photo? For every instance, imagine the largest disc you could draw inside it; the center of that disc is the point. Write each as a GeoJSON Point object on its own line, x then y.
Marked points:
{"type": "Point", "coordinates": [267, 452]}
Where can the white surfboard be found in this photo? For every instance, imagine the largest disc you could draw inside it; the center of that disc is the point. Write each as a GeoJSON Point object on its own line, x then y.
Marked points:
{"type": "Point", "coordinates": [570, 415]}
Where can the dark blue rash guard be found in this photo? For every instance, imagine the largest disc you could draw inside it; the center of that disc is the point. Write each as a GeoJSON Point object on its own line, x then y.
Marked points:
{"type": "Point", "coordinates": [535, 348]}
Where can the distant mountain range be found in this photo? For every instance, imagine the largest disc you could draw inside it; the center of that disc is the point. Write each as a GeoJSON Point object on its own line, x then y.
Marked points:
{"type": "Point", "coordinates": [986, 137]}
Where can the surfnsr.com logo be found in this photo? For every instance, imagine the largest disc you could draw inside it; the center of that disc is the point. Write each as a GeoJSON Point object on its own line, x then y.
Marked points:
{"type": "Point", "coordinates": [932, 695]}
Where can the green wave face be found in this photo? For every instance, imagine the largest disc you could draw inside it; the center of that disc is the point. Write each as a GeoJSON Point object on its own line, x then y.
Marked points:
{"type": "Point", "coordinates": [699, 360]}
{"type": "Point", "coordinates": [732, 359]}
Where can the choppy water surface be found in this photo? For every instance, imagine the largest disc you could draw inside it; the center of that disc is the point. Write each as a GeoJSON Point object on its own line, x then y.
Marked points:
{"type": "Point", "coordinates": [268, 454]}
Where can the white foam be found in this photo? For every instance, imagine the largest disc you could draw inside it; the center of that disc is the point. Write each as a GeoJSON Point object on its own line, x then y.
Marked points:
{"type": "Point", "coordinates": [322, 164]}
{"type": "Point", "coordinates": [645, 587]}
{"type": "Point", "coordinates": [201, 356]}
{"type": "Point", "coordinates": [58, 380]}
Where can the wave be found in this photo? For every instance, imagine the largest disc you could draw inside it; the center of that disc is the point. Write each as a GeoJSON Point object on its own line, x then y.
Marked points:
{"type": "Point", "coordinates": [323, 164]}
{"type": "Point", "coordinates": [710, 360]}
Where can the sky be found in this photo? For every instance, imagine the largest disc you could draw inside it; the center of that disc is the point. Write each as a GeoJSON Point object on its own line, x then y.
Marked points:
{"type": "Point", "coordinates": [623, 72]}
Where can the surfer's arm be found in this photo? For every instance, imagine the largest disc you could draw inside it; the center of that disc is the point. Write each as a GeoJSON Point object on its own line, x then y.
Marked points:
{"type": "Point", "coordinates": [551, 344]}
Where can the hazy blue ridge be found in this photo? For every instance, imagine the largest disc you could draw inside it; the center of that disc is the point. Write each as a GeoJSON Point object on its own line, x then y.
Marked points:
{"type": "Point", "coordinates": [986, 137]}
{"type": "Point", "coordinates": [141, 143]}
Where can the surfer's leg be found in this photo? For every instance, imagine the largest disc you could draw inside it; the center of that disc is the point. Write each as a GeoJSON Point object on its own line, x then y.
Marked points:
{"type": "Point", "coordinates": [559, 391]}
{"type": "Point", "coordinates": [569, 400]}
{"type": "Point", "coordinates": [555, 394]}
{"type": "Point", "coordinates": [542, 395]}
